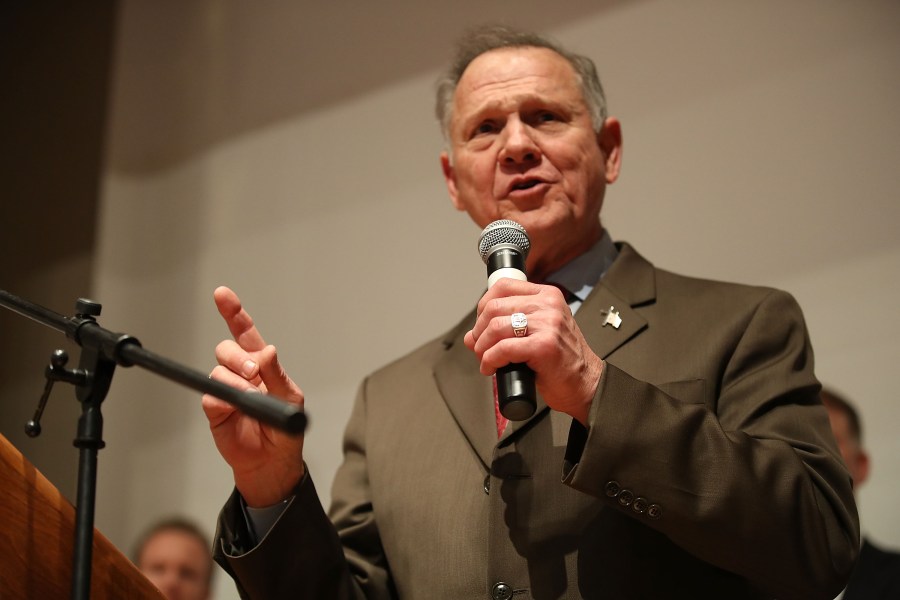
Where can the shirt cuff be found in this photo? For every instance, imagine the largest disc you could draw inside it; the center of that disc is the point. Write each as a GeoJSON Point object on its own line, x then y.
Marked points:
{"type": "Point", "coordinates": [261, 520]}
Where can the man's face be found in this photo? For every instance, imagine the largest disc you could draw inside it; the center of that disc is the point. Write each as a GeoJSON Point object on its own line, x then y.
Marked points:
{"type": "Point", "coordinates": [178, 564]}
{"type": "Point", "coordinates": [851, 450]}
{"type": "Point", "coordinates": [524, 148]}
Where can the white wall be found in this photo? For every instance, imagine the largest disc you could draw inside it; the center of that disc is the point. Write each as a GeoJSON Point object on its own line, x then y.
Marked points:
{"type": "Point", "coordinates": [760, 146]}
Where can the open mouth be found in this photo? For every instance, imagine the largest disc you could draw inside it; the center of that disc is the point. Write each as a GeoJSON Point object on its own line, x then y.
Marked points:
{"type": "Point", "coordinates": [526, 185]}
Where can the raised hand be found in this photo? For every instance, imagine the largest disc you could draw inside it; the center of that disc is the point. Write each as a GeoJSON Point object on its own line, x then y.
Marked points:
{"type": "Point", "coordinates": [267, 463]}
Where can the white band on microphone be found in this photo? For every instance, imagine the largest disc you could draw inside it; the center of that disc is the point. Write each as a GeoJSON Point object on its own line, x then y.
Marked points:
{"type": "Point", "coordinates": [506, 272]}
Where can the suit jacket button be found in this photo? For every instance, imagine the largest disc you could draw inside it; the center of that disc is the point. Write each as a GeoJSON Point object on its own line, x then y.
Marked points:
{"type": "Point", "coordinates": [487, 484]}
{"type": "Point", "coordinates": [626, 497]}
{"type": "Point", "coordinates": [501, 591]}
{"type": "Point", "coordinates": [613, 489]}
{"type": "Point", "coordinates": [640, 505]}
{"type": "Point", "coordinates": [654, 511]}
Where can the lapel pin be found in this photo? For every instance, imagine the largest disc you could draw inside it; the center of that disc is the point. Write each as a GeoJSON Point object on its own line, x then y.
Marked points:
{"type": "Point", "coordinates": [612, 317]}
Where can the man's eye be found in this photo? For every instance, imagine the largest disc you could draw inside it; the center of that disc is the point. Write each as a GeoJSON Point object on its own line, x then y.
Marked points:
{"type": "Point", "coordinates": [546, 117]}
{"type": "Point", "coordinates": [486, 127]}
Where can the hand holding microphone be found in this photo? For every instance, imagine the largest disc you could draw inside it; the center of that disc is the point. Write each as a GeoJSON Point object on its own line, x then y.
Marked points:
{"type": "Point", "coordinates": [525, 333]}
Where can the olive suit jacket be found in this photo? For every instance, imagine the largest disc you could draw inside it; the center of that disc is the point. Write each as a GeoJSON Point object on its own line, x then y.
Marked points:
{"type": "Point", "coordinates": [707, 470]}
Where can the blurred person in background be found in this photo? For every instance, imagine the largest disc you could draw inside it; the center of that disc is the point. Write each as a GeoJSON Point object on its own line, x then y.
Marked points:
{"type": "Point", "coordinates": [877, 572]}
{"type": "Point", "coordinates": [174, 554]}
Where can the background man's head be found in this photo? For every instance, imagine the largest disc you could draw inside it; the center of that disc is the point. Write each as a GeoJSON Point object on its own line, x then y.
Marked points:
{"type": "Point", "coordinates": [174, 554]}
{"type": "Point", "coordinates": [847, 428]}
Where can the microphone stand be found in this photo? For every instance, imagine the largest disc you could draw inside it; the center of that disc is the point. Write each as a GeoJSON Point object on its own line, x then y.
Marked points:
{"type": "Point", "coordinates": [101, 351]}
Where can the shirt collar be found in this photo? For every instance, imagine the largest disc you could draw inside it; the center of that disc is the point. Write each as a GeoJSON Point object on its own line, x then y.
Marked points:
{"type": "Point", "coordinates": [581, 274]}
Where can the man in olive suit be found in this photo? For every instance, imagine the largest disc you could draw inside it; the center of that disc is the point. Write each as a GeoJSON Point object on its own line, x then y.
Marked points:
{"type": "Point", "coordinates": [678, 449]}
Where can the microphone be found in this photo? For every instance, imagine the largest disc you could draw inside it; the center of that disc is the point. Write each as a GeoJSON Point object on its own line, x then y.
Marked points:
{"type": "Point", "coordinates": [504, 246]}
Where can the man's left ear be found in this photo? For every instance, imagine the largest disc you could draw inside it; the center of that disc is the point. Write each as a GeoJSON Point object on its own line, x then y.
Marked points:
{"type": "Point", "coordinates": [450, 180]}
{"type": "Point", "coordinates": [609, 138]}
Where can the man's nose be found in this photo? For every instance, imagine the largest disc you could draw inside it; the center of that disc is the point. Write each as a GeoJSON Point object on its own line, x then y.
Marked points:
{"type": "Point", "coordinates": [519, 147]}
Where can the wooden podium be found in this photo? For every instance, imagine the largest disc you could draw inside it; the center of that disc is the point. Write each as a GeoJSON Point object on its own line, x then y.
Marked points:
{"type": "Point", "coordinates": [37, 528]}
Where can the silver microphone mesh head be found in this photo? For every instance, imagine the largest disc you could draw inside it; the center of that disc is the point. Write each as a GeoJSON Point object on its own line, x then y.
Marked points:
{"type": "Point", "coordinates": [505, 232]}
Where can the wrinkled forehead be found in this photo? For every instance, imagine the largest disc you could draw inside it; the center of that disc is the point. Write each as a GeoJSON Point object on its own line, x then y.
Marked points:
{"type": "Point", "coordinates": [507, 78]}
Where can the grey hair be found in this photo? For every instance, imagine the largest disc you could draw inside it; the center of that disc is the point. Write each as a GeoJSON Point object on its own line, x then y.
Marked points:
{"type": "Point", "coordinates": [493, 37]}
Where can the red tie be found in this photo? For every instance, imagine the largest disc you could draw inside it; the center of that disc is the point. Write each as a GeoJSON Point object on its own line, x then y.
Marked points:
{"type": "Point", "coordinates": [501, 420]}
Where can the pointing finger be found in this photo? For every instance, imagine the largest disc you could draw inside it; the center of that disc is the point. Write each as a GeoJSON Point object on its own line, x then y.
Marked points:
{"type": "Point", "coordinates": [239, 321]}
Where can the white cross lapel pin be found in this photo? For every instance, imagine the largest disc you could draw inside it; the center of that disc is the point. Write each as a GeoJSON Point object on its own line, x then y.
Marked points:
{"type": "Point", "coordinates": [612, 317]}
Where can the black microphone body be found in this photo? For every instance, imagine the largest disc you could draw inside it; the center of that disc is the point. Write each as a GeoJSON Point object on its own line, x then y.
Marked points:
{"type": "Point", "coordinates": [504, 246]}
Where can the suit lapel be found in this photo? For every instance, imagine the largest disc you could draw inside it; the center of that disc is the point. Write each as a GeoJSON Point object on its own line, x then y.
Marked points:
{"type": "Point", "coordinates": [604, 339]}
{"type": "Point", "coordinates": [629, 283]}
{"type": "Point", "coordinates": [468, 393]}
